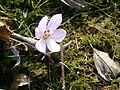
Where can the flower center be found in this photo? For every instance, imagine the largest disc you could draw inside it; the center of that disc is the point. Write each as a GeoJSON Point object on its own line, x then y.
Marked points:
{"type": "Point", "coordinates": [46, 34]}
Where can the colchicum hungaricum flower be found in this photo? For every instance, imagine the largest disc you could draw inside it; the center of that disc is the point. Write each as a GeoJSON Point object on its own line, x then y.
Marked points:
{"type": "Point", "coordinates": [48, 34]}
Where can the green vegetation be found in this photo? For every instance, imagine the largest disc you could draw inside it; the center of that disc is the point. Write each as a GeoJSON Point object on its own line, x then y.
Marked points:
{"type": "Point", "coordinates": [100, 25]}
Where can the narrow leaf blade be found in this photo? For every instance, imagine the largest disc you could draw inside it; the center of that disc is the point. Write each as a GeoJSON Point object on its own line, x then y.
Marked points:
{"type": "Point", "coordinates": [16, 52]}
{"type": "Point", "coordinates": [77, 4]}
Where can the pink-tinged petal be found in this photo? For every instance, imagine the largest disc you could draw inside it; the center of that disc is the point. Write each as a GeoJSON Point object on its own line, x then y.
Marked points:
{"type": "Point", "coordinates": [58, 35]}
{"type": "Point", "coordinates": [54, 22]}
{"type": "Point", "coordinates": [53, 46]}
{"type": "Point", "coordinates": [41, 45]}
{"type": "Point", "coordinates": [38, 33]}
{"type": "Point", "coordinates": [43, 24]}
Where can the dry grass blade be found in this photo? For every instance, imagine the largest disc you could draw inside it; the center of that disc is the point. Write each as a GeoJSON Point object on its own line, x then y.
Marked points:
{"type": "Point", "coordinates": [77, 4]}
{"type": "Point", "coordinates": [19, 80]}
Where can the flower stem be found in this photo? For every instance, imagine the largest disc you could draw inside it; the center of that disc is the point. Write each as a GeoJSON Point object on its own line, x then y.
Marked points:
{"type": "Point", "coordinates": [49, 68]}
{"type": "Point", "coordinates": [62, 69]}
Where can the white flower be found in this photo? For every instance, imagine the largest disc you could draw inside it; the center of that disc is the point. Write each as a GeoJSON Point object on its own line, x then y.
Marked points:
{"type": "Point", "coordinates": [48, 34]}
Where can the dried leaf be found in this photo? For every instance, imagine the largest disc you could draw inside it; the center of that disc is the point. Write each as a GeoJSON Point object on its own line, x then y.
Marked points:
{"type": "Point", "coordinates": [4, 32]}
{"type": "Point", "coordinates": [19, 80]}
{"type": "Point", "coordinates": [77, 4]}
{"type": "Point", "coordinates": [22, 79]}
{"type": "Point", "coordinates": [106, 67]}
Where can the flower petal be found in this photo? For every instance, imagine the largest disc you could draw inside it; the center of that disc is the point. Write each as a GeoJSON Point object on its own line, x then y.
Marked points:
{"type": "Point", "coordinates": [54, 22]}
{"type": "Point", "coordinates": [58, 35]}
{"type": "Point", "coordinates": [38, 33]}
{"type": "Point", "coordinates": [43, 23]}
{"type": "Point", "coordinates": [53, 46]}
{"type": "Point", "coordinates": [41, 45]}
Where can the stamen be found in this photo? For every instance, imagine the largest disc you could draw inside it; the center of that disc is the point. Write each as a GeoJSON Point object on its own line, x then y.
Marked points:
{"type": "Point", "coordinates": [46, 34]}
{"type": "Point", "coordinates": [48, 31]}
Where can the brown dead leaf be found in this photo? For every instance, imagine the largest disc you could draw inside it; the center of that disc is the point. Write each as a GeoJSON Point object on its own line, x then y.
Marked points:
{"type": "Point", "coordinates": [5, 32]}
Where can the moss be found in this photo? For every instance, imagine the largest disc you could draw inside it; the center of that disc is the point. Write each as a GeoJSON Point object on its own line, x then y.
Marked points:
{"type": "Point", "coordinates": [99, 26]}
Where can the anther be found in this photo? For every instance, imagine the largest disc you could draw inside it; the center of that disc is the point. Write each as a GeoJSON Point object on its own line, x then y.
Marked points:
{"type": "Point", "coordinates": [48, 31]}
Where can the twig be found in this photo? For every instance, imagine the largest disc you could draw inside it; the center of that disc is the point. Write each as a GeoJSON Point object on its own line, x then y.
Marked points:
{"type": "Point", "coordinates": [62, 65]}
{"type": "Point", "coordinates": [49, 68]}
{"type": "Point", "coordinates": [67, 44]}
{"type": "Point", "coordinates": [62, 69]}
{"type": "Point", "coordinates": [24, 39]}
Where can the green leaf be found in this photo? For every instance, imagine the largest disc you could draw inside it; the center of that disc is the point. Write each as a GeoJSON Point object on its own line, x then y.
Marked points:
{"type": "Point", "coordinates": [11, 57]}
